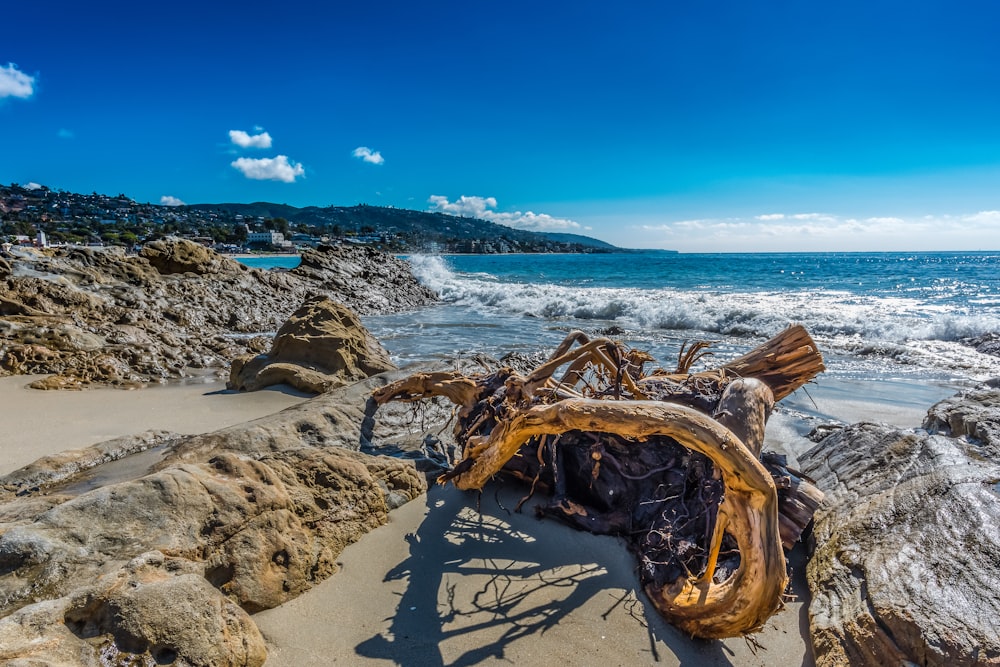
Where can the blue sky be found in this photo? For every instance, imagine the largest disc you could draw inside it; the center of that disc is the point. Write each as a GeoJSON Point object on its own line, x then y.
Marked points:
{"type": "Point", "coordinates": [697, 126]}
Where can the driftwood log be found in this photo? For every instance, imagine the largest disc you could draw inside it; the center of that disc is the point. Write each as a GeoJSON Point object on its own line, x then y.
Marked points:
{"type": "Point", "coordinates": [671, 461]}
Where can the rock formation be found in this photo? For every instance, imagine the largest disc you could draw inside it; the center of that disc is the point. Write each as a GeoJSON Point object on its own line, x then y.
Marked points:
{"type": "Point", "coordinates": [99, 316]}
{"type": "Point", "coordinates": [160, 556]}
{"type": "Point", "coordinates": [322, 345]}
{"type": "Point", "coordinates": [905, 569]}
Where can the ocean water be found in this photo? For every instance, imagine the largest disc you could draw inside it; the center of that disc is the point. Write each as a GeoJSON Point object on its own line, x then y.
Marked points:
{"type": "Point", "coordinates": [271, 261]}
{"type": "Point", "coordinates": [890, 325]}
{"type": "Point", "coordinates": [882, 315]}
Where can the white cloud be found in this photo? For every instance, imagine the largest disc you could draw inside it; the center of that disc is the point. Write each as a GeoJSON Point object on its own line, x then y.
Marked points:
{"type": "Point", "coordinates": [168, 200]}
{"type": "Point", "coordinates": [985, 217]}
{"type": "Point", "coordinates": [15, 83]}
{"type": "Point", "coordinates": [32, 186]}
{"type": "Point", "coordinates": [466, 207]}
{"type": "Point", "coordinates": [269, 169]}
{"type": "Point", "coordinates": [820, 231]}
{"type": "Point", "coordinates": [823, 217]}
{"type": "Point", "coordinates": [368, 155]}
{"type": "Point", "coordinates": [245, 140]}
{"type": "Point", "coordinates": [480, 207]}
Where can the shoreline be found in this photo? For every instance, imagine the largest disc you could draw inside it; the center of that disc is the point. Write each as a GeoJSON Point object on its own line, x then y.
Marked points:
{"type": "Point", "coordinates": [252, 255]}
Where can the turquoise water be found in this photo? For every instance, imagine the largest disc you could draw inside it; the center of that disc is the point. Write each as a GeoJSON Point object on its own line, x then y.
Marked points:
{"type": "Point", "coordinates": [271, 261]}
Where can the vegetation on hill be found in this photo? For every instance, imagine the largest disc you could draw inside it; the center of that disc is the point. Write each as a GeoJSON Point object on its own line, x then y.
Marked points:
{"type": "Point", "coordinates": [66, 217]}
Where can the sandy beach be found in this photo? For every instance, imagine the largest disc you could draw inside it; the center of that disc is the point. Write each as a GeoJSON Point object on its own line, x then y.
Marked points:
{"type": "Point", "coordinates": [38, 423]}
{"type": "Point", "coordinates": [453, 579]}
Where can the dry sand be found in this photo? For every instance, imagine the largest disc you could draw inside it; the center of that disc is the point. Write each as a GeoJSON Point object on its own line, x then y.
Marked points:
{"type": "Point", "coordinates": [38, 423]}
{"type": "Point", "coordinates": [445, 583]}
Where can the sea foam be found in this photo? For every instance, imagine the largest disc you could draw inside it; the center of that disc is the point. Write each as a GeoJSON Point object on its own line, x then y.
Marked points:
{"type": "Point", "coordinates": [907, 327]}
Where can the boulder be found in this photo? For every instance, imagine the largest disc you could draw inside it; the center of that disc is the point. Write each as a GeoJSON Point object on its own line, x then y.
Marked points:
{"type": "Point", "coordinates": [905, 568]}
{"type": "Point", "coordinates": [173, 255]}
{"type": "Point", "coordinates": [974, 415]}
{"type": "Point", "coordinates": [323, 345]}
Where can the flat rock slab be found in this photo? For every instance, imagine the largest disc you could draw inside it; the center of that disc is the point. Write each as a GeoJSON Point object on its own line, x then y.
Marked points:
{"type": "Point", "coordinates": [163, 561]}
{"type": "Point", "coordinates": [907, 561]}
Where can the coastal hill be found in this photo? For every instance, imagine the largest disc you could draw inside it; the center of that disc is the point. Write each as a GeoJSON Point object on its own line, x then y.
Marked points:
{"type": "Point", "coordinates": [67, 217]}
{"type": "Point", "coordinates": [416, 227]}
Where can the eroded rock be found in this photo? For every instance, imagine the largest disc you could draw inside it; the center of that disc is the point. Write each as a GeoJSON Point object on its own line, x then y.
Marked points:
{"type": "Point", "coordinates": [153, 610]}
{"type": "Point", "coordinates": [99, 316]}
{"type": "Point", "coordinates": [905, 567]}
{"type": "Point", "coordinates": [248, 517]}
{"type": "Point", "coordinates": [172, 255]}
{"type": "Point", "coordinates": [322, 345]}
{"type": "Point", "coordinates": [974, 414]}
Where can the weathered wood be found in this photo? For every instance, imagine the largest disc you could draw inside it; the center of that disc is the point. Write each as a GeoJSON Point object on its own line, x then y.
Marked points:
{"type": "Point", "coordinates": [744, 409]}
{"type": "Point", "coordinates": [744, 601]}
{"type": "Point", "coordinates": [784, 363]}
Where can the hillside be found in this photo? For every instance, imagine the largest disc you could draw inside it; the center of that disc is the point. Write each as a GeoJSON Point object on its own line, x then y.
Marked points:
{"type": "Point", "coordinates": [433, 227]}
{"type": "Point", "coordinates": [37, 214]}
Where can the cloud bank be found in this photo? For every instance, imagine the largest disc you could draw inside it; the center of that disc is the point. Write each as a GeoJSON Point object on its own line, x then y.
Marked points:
{"type": "Point", "coordinates": [817, 232]}
{"type": "Point", "coordinates": [246, 140]}
{"type": "Point", "coordinates": [368, 155]}
{"type": "Point", "coordinates": [269, 168]}
{"type": "Point", "coordinates": [168, 200]}
{"type": "Point", "coordinates": [15, 83]}
{"type": "Point", "coordinates": [481, 207]}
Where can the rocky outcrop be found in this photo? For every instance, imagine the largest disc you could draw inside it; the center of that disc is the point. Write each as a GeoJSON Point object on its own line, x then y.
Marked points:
{"type": "Point", "coordinates": [376, 282]}
{"type": "Point", "coordinates": [323, 345]}
{"type": "Point", "coordinates": [99, 316]}
{"type": "Point", "coordinates": [905, 568]}
{"type": "Point", "coordinates": [974, 415]}
{"type": "Point", "coordinates": [159, 556]}
{"type": "Point", "coordinates": [987, 343]}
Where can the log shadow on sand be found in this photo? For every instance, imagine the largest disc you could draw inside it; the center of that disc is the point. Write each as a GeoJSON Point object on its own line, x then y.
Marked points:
{"type": "Point", "coordinates": [487, 583]}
